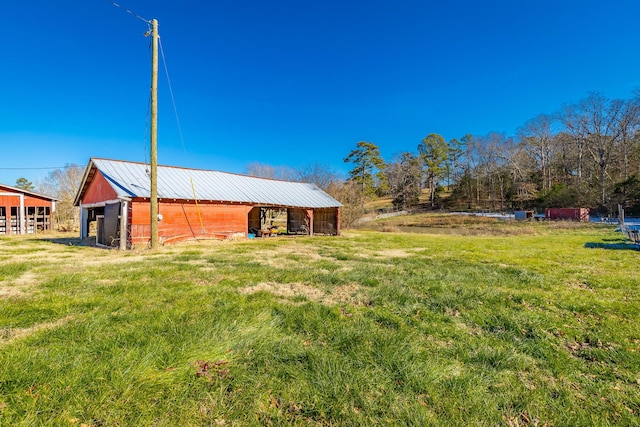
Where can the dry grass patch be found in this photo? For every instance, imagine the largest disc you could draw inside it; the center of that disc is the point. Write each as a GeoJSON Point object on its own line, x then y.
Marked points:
{"type": "Point", "coordinates": [285, 290]}
{"type": "Point", "coordinates": [352, 294]}
{"type": "Point", "coordinates": [80, 261]}
{"type": "Point", "coordinates": [286, 254]}
{"type": "Point", "coordinates": [397, 253]}
{"type": "Point", "coordinates": [214, 280]}
{"type": "Point", "coordinates": [8, 335]}
{"type": "Point", "coordinates": [348, 294]}
{"type": "Point", "coordinates": [19, 287]}
{"type": "Point", "coordinates": [580, 285]}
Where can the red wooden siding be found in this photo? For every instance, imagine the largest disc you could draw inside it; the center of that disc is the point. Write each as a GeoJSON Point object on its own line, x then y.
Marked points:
{"type": "Point", "coordinates": [29, 201]}
{"type": "Point", "coordinates": [99, 190]}
{"type": "Point", "coordinates": [182, 220]}
{"type": "Point", "coordinates": [10, 201]}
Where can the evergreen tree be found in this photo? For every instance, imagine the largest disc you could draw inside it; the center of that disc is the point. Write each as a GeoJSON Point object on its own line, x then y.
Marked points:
{"type": "Point", "coordinates": [368, 170]}
{"type": "Point", "coordinates": [24, 184]}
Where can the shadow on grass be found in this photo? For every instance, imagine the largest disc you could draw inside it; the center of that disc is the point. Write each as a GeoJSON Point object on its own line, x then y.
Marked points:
{"type": "Point", "coordinates": [620, 245]}
{"type": "Point", "coordinates": [68, 241]}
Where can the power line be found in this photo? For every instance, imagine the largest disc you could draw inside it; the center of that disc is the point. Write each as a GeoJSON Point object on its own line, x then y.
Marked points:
{"type": "Point", "coordinates": [129, 12]}
{"type": "Point", "coordinates": [173, 101]}
{"type": "Point", "coordinates": [41, 168]}
{"type": "Point", "coordinates": [149, 30]}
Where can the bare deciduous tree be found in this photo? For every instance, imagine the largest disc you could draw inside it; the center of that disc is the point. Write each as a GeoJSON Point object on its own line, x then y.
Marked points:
{"type": "Point", "coordinates": [321, 175]}
{"type": "Point", "coordinates": [404, 176]}
{"type": "Point", "coordinates": [63, 184]}
{"type": "Point", "coordinates": [537, 135]}
{"type": "Point", "coordinates": [263, 170]}
{"type": "Point", "coordinates": [352, 197]}
{"type": "Point", "coordinates": [600, 126]}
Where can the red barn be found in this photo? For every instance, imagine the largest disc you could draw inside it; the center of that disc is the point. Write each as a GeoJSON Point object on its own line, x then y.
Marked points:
{"type": "Point", "coordinates": [25, 212]}
{"type": "Point", "coordinates": [572, 214]}
{"type": "Point", "coordinates": [193, 203]}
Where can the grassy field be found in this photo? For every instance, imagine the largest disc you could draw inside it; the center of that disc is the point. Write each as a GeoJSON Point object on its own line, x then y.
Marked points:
{"type": "Point", "coordinates": [521, 325]}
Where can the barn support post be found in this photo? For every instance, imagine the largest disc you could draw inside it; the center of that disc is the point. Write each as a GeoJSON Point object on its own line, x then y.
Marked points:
{"type": "Point", "coordinates": [23, 216]}
{"type": "Point", "coordinates": [310, 216]}
{"type": "Point", "coordinates": [124, 206]}
{"type": "Point", "coordinates": [247, 225]}
{"type": "Point", "coordinates": [52, 210]}
{"type": "Point", "coordinates": [84, 226]}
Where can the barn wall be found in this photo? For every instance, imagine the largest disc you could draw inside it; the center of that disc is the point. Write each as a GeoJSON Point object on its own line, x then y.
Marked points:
{"type": "Point", "coordinates": [99, 190]}
{"type": "Point", "coordinates": [325, 221]}
{"type": "Point", "coordinates": [297, 221]}
{"type": "Point", "coordinates": [181, 221]}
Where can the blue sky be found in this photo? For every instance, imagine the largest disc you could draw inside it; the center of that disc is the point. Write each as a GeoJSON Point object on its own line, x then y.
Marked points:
{"type": "Point", "coordinates": [294, 82]}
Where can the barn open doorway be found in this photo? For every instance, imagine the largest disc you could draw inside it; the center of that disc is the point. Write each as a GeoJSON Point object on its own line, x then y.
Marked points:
{"type": "Point", "coordinates": [102, 222]}
{"type": "Point", "coordinates": [108, 226]}
{"type": "Point", "coordinates": [270, 221]}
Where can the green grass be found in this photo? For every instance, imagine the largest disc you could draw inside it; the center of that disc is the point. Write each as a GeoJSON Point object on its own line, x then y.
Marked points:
{"type": "Point", "coordinates": [534, 327]}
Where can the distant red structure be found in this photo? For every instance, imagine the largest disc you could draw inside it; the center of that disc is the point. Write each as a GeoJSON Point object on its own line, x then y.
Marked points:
{"type": "Point", "coordinates": [567, 214]}
{"type": "Point", "coordinates": [25, 212]}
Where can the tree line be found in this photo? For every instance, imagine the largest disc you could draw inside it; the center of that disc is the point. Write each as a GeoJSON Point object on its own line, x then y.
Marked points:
{"type": "Point", "coordinates": [586, 155]}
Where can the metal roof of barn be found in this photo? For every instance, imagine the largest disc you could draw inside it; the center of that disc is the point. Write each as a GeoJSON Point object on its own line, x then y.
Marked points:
{"type": "Point", "coordinates": [131, 180]}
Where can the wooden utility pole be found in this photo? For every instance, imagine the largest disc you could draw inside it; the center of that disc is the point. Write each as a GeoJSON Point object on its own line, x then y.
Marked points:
{"type": "Point", "coordinates": [154, 134]}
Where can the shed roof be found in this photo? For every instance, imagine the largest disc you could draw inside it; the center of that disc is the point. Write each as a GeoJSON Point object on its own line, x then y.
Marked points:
{"type": "Point", "coordinates": [9, 189]}
{"type": "Point", "coordinates": [131, 180]}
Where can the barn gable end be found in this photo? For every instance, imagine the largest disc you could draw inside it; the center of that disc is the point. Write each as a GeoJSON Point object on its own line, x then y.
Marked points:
{"type": "Point", "coordinates": [99, 190]}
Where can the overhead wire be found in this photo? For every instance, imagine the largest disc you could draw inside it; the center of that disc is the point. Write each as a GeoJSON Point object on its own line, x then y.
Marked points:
{"type": "Point", "coordinates": [149, 29]}
{"type": "Point", "coordinates": [148, 22]}
{"type": "Point", "coordinates": [173, 100]}
{"type": "Point", "coordinates": [180, 133]}
{"type": "Point", "coordinates": [40, 168]}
